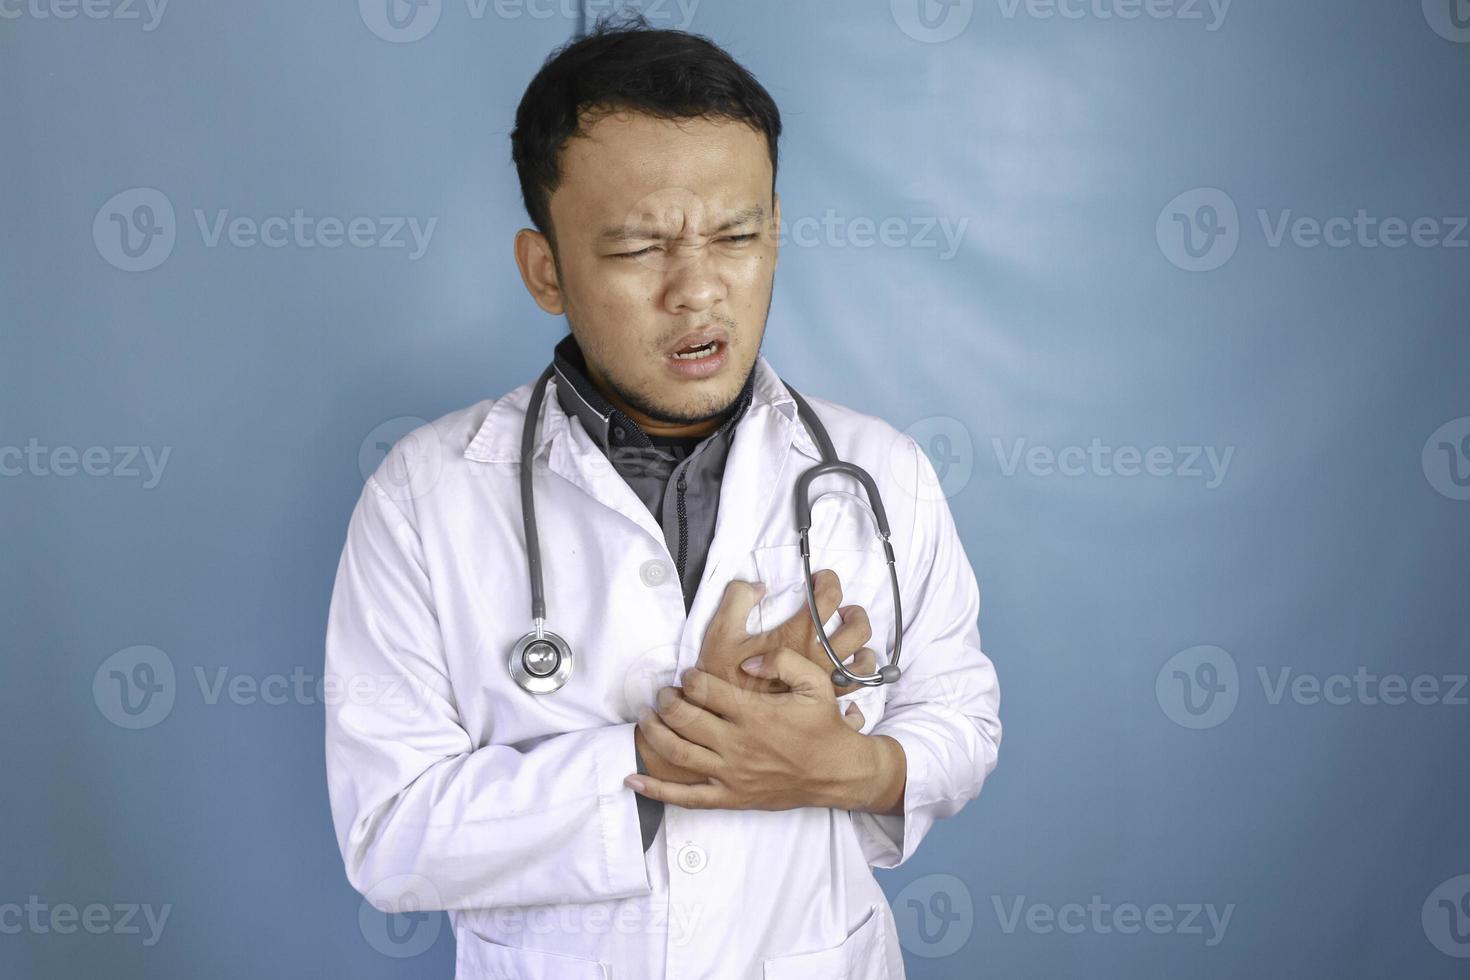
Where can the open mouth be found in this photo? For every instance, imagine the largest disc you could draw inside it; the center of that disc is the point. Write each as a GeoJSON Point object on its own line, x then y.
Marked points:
{"type": "Point", "coordinates": [696, 353]}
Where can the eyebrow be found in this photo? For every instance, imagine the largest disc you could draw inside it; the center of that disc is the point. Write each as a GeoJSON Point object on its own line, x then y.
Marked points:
{"type": "Point", "coordinates": [635, 232]}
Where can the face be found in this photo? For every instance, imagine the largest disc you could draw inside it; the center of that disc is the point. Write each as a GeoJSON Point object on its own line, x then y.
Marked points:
{"type": "Point", "coordinates": [664, 229]}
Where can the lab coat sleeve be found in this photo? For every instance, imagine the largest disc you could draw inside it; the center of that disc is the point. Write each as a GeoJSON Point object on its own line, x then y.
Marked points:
{"type": "Point", "coordinates": [421, 814]}
{"type": "Point", "coordinates": [944, 711]}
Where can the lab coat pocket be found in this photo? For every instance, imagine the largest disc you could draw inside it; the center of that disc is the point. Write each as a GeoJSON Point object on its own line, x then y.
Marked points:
{"type": "Point", "coordinates": [477, 958]}
{"type": "Point", "coordinates": [861, 956]}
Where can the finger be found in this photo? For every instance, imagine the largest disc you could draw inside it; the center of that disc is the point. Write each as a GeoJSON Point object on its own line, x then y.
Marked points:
{"type": "Point", "coordinates": [799, 673]}
{"type": "Point", "coordinates": [697, 724]}
{"type": "Point", "coordinates": [696, 796]}
{"type": "Point", "coordinates": [827, 587]}
{"type": "Point", "coordinates": [848, 639]}
{"type": "Point", "coordinates": [853, 716]}
{"type": "Point", "coordinates": [675, 748]}
{"type": "Point", "coordinates": [727, 626]}
{"type": "Point", "coordinates": [854, 632]}
{"type": "Point", "coordinates": [723, 698]}
{"type": "Point", "coordinates": [865, 661]}
{"type": "Point", "coordinates": [747, 683]}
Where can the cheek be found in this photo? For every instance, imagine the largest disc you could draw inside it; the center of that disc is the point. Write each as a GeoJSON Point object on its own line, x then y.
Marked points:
{"type": "Point", "coordinates": [612, 301]}
{"type": "Point", "coordinates": [751, 274]}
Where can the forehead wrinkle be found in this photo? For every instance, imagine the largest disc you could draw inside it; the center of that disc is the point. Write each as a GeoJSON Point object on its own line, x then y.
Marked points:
{"type": "Point", "coordinates": [625, 233]}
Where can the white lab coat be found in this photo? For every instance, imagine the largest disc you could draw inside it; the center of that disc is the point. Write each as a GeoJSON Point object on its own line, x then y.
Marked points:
{"type": "Point", "coordinates": [452, 788]}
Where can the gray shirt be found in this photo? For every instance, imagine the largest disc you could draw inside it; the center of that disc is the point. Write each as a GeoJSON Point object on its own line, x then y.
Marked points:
{"type": "Point", "coordinates": [677, 477]}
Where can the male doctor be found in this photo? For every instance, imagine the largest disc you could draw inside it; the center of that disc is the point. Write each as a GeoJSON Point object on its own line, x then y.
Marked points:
{"type": "Point", "coordinates": [697, 799]}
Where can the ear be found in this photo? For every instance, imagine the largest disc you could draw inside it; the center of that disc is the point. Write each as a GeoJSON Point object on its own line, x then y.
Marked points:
{"type": "Point", "coordinates": [538, 270]}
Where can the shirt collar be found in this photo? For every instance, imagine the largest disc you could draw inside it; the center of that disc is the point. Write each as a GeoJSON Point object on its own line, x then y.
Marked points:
{"type": "Point", "coordinates": [497, 439]}
{"type": "Point", "coordinates": [608, 425]}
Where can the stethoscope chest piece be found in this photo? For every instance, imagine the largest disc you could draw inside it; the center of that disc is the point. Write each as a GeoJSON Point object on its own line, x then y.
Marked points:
{"type": "Point", "coordinates": [541, 661]}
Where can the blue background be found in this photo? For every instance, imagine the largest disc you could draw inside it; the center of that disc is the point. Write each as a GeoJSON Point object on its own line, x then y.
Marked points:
{"type": "Point", "coordinates": [1334, 541]}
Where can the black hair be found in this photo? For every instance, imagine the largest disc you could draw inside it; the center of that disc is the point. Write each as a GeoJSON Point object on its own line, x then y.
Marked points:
{"type": "Point", "coordinates": [623, 64]}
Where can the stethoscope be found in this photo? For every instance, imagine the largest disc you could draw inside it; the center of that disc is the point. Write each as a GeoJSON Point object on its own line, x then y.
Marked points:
{"type": "Point", "coordinates": [541, 661]}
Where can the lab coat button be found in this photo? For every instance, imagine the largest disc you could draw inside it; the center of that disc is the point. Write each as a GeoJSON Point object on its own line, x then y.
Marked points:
{"type": "Point", "coordinates": [654, 572]}
{"type": "Point", "coordinates": [691, 858]}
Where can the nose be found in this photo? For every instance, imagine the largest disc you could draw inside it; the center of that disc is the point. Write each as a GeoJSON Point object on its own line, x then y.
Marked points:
{"type": "Point", "coordinates": [693, 283]}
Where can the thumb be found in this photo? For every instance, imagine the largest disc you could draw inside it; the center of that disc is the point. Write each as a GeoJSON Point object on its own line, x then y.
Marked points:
{"type": "Point", "coordinates": [797, 672]}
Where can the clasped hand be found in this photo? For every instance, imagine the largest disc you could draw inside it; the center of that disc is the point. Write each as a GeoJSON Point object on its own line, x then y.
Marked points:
{"type": "Point", "coordinates": [755, 725]}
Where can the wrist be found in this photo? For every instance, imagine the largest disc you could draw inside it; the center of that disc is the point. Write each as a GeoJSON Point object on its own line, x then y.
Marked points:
{"type": "Point", "coordinates": [870, 774]}
{"type": "Point", "coordinates": [878, 776]}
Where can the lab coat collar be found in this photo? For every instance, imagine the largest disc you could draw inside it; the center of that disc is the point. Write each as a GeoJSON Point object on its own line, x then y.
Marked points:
{"type": "Point", "coordinates": [498, 439]}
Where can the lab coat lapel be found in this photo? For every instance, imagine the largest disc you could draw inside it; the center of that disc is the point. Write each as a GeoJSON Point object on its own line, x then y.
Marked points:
{"type": "Point", "coordinates": [563, 449]}
{"type": "Point", "coordinates": [574, 457]}
{"type": "Point", "coordinates": [768, 440]}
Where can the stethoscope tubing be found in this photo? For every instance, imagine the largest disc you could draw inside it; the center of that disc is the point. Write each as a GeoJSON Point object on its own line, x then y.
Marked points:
{"type": "Point", "coordinates": [551, 652]}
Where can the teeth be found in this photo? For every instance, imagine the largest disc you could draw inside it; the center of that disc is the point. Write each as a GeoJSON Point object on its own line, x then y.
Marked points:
{"type": "Point", "coordinates": [696, 354]}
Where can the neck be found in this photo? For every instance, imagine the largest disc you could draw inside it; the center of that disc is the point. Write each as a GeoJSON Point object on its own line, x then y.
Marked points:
{"type": "Point", "coordinates": [652, 426]}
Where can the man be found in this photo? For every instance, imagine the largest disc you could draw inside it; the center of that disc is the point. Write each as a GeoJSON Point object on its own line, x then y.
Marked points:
{"type": "Point", "coordinates": [723, 820]}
